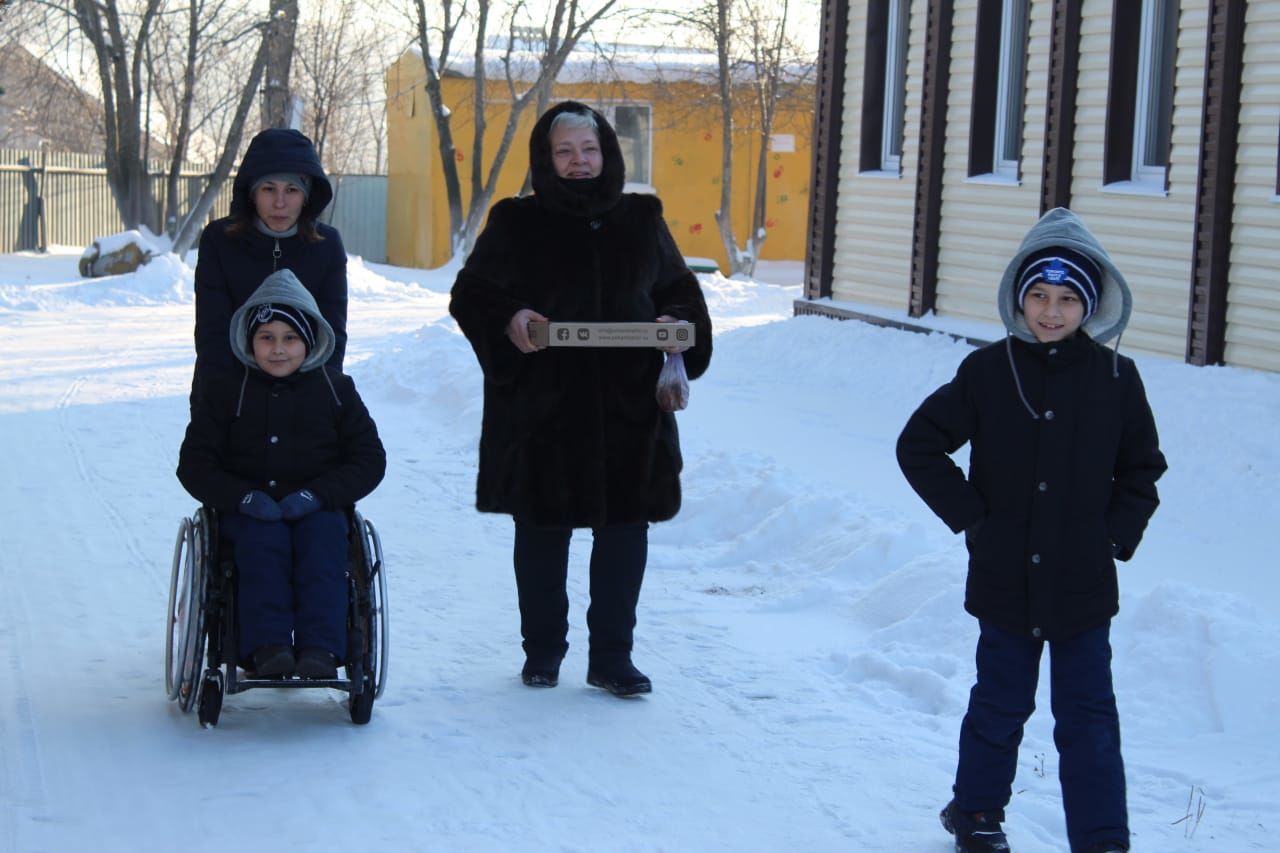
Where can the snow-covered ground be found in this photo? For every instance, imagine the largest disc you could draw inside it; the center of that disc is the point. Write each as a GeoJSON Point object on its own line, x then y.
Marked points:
{"type": "Point", "coordinates": [801, 618]}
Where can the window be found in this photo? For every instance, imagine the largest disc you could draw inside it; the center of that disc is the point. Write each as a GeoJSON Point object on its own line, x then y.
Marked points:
{"type": "Point", "coordinates": [634, 125]}
{"type": "Point", "coordinates": [1140, 95]}
{"type": "Point", "coordinates": [884, 86]}
{"type": "Point", "coordinates": [999, 81]}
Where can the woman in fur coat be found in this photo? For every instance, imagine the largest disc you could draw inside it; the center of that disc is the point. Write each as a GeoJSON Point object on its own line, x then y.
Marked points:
{"type": "Point", "coordinates": [574, 437]}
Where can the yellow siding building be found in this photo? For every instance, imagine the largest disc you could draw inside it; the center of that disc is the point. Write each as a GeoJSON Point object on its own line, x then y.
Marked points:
{"type": "Point", "coordinates": [670, 133]}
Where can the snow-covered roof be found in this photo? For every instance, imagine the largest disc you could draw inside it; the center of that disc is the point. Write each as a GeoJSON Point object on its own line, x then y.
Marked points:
{"type": "Point", "coordinates": [595, 62]}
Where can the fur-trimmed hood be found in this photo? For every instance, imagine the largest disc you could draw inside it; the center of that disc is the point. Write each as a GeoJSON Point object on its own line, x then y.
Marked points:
{"type": "Point", "coordinates": [281, 150]}
{"type": "Point", "coordinates": [282, 287]}
{"type": "Point", "coordinates": [1061, 227]}
{"type": "Point", "coordinates": [547, 185]}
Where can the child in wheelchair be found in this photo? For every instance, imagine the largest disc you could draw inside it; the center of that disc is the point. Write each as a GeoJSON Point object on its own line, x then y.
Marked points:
{"type": "Point", "coordinates": [282, 452]}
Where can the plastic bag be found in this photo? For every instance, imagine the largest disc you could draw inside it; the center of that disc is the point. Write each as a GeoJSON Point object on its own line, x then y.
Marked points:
{"type": "Point", "coordinates": [673, 384]}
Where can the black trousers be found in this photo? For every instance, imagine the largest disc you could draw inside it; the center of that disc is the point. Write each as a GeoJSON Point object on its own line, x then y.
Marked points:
{"type": "Point", "coordinates": [618, 556]}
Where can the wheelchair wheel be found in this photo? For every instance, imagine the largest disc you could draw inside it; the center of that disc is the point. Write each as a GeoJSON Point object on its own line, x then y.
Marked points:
{"type": "Point", "coordinates": [378, 616]}
{"type": "Point", "coordinates": [184, 641]}
{"type": "Point", "coordinates": [369, 671]}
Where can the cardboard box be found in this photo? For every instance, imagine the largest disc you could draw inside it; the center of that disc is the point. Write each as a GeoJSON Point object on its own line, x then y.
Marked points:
{"type": "Point", "coordinates": [611, 334]}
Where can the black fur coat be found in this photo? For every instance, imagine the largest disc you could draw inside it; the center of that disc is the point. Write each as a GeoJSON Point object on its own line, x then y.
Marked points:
{"type": "Point", "coordinates": [574, 437]}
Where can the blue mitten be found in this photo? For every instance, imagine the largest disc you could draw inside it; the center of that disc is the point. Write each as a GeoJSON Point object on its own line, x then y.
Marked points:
{"type": "Point", "coordinates": [298, 504]}
{"type": "Point", "coordinates": [260, 505]}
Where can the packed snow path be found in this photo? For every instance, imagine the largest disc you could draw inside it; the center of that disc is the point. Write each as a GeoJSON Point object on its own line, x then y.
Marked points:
{"type": "Point", "coordinates": [801, 619]}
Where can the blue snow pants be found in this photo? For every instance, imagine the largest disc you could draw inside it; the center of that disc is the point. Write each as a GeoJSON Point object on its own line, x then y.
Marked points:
{"type": "Point", "coordinates": [1086, 730]}
{"type": "Point", "coordinates": [292, 581]}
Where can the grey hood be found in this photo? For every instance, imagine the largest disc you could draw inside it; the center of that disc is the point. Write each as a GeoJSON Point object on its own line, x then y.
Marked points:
{"type": "Point", "coordinates": [1061, 227]}
{"type": "Point", "coordinates": [282, 288]}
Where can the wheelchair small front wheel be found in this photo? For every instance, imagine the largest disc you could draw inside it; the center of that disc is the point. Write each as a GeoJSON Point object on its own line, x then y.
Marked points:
{"type": "Point", "coordinates": [209, 705]}
{"type": "Point", "coordinates": [361, 706]}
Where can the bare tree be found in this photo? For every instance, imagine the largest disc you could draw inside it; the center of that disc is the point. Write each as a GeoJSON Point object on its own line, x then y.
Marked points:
{"type": "Point", "coordinates": [529, 68]}
{"type": "Point", "coordinates": [282, 27]}
{"type": "Point", "coordinates": [117, 40]}
{"type": "Point", "coordinates": [776, 72]}
{"type": "Point", "coordinates": [186, 235]}
{"type": "Point", "coordinates": [339, 65]}
{"type": "Point", "coordinates": [120, 37]}
{"type": "Point", "coordinates": [205, 42]}
{"type": "Point", "coordinates": [759, 69]}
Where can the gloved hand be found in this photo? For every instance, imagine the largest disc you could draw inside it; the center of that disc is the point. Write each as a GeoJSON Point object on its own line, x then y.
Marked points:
{"type": "Point", "coordinates": [298, 504]}
{"type": "Point", "coordinates": [260, 505]}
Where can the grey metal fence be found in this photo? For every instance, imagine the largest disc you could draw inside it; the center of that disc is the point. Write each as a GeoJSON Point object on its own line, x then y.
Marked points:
{"type": "Point", "coordinates": [58, 198]}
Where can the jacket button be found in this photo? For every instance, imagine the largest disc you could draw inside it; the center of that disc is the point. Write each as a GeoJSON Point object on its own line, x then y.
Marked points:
{"type": "Point", "coordinates": [271, 483]}
{"type": "Point", "coordinates": [1053, 351]}
{"type": "Point", "coordinates": [275, 439]}
{"type": "Point", "coordinates": [1044, 487]}
{"type": "Point", "coordinates": [1035, 632]}
{"type": "Point", "coordinates": [1035, 558]}
{"type": "Point", "coordinates": [1048, 416]}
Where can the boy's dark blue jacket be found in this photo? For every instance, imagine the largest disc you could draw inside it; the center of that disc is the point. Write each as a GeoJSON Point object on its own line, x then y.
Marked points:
{"type": "Point", "coordinates": [231, 266]}
{"type": "Point", "coordinates": [1064, 459]}
{"type": "Point", "coordinates": [309, 430]}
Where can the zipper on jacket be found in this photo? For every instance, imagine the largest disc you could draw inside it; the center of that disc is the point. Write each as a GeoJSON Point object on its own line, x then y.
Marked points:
{"type": "Point", "coordinates": [276, 255]}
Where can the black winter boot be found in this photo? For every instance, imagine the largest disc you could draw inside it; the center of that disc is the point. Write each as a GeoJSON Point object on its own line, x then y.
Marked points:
{"type": "Point", "coordinates": [619, 677]}
{"type": "Point", "coordinates": [618, 556]}
{"type": "Point", "coordinates": [541, 558]}
{"type": "Point", "coordinates": [978, 832]}
{"type": "Point", "coordinates": [541, 670]}
{"type": "Point", "coordinates": [273, 661]}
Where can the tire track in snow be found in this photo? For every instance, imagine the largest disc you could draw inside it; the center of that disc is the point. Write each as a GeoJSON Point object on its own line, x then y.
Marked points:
{"type": "Point", "coordinates": [86, 472]}
{"type": "Point", "coordinates": [22, 782]}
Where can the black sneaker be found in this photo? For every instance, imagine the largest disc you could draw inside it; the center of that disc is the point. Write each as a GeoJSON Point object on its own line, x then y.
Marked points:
{"type": "Point", "coordinates": [317, 663]}
{"type": "Point", "coordinates": [273, 661]}
{"type": "Point", "coordinates": [620, 678]}
{"type": "Point", "coordinates": [978, 832]}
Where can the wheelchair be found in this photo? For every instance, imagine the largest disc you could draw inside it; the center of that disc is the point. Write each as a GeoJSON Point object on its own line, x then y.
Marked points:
{"type": "Point", "coordinates": [202, 612]}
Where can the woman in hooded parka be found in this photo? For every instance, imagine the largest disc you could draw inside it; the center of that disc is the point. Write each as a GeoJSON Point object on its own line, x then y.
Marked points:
{"type": "Point", "coordinates": [574, 437]}
{"type": "Point", "coordinates": [277, 196]}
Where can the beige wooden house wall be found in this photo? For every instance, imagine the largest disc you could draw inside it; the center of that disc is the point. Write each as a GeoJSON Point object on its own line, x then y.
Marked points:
{"type": "Point", "coordinates": [984, 219]}
{"type": "Point", "coordinates": [1148, 235]}
{"type": "Point", "coordinates": [875, 212]}
{"type": "Point", "coordinates": [1253, 301]}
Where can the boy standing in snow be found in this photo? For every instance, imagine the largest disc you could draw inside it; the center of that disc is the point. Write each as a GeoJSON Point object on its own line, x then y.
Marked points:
{"type": "Point", "coordinates": [1064, 459]}
{"type": "Point", "coordinates": [281, 452]}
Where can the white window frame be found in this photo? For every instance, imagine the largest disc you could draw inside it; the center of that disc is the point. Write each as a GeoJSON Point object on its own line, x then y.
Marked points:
{"type": "Point", "coordinates": [895, 86]}
{"type": "Point", "coordinates": [1010, 97]}
{"type": "Point", "coordinates": [1155, 71]}
{"type": "Point", "coordinates": [611, 113]}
